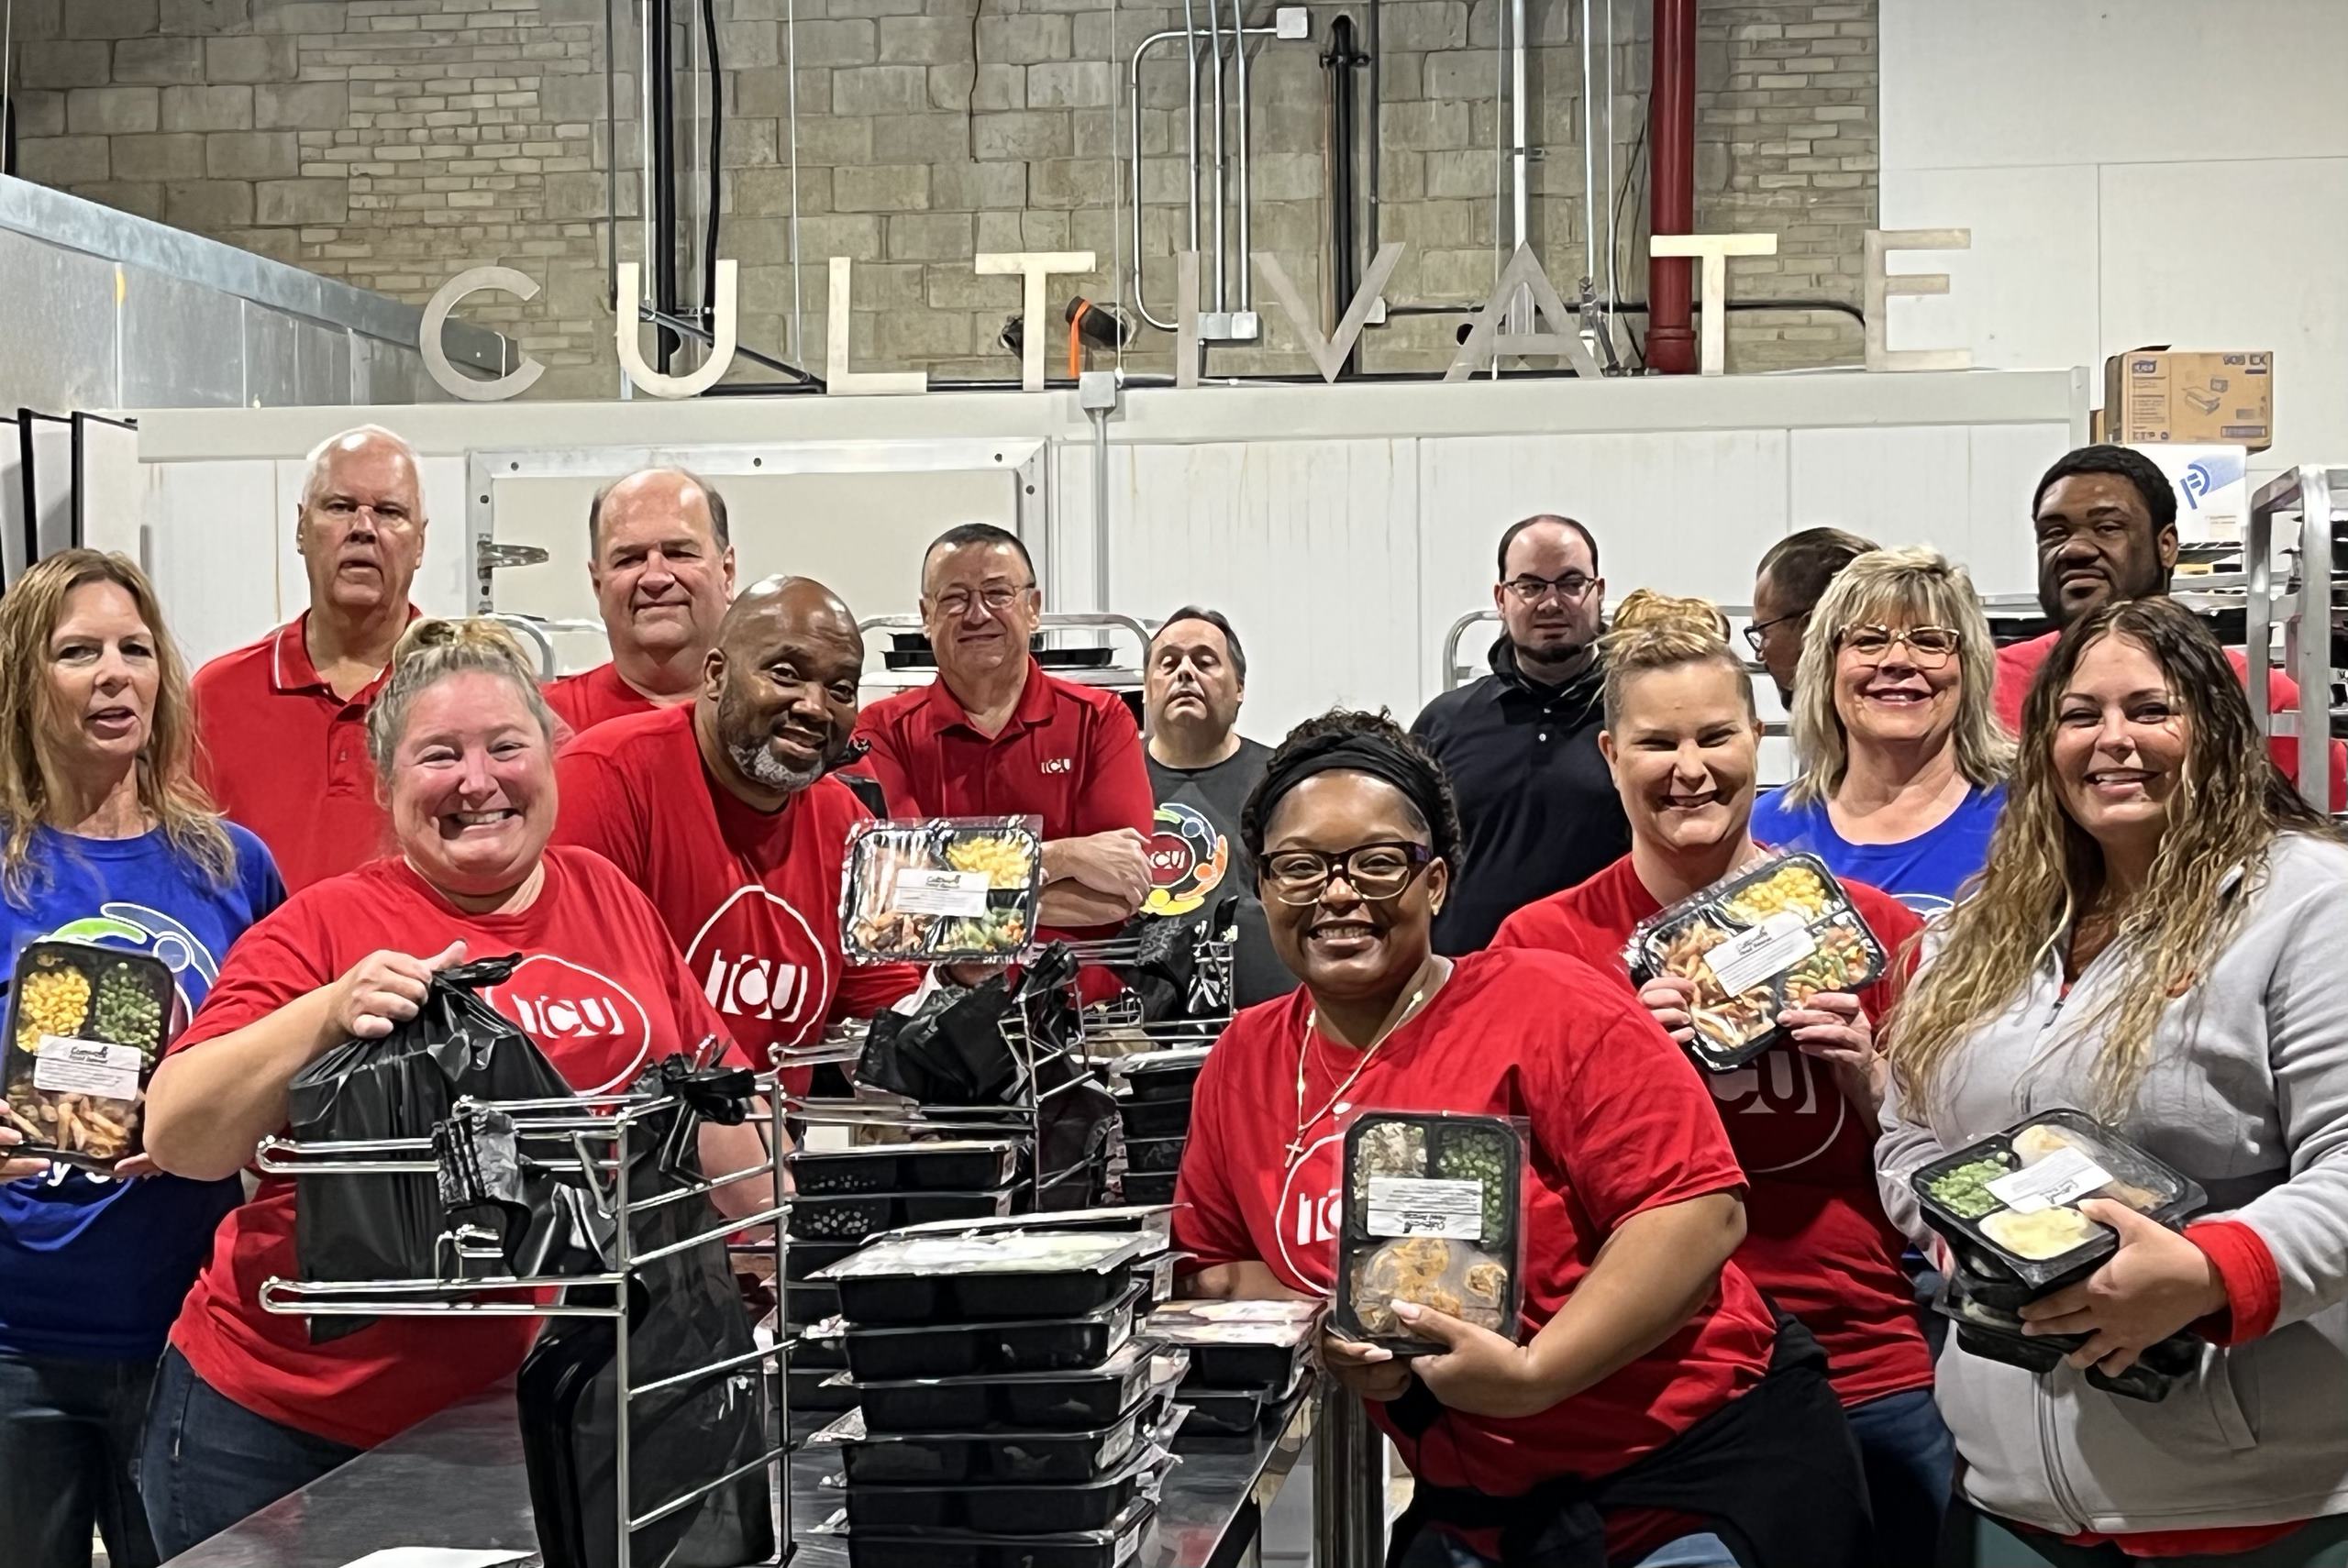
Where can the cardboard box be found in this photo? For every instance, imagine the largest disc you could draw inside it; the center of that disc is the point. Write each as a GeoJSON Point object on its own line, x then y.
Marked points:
{"type": "Point", "coordinates": [2157, 396]}
{"type": "Point", "coordinates": [2213, 485]}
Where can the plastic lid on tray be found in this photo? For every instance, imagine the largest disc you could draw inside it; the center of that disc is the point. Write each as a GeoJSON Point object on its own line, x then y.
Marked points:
{"type": "Point", "coordinates": [1023, 1251]}
{"type": "Point", "coordinates": [1281, 1324]}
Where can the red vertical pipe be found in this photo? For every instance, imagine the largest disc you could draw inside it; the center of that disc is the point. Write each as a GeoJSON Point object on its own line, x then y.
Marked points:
{"type": "Point", "coordinates": [1671, 139]}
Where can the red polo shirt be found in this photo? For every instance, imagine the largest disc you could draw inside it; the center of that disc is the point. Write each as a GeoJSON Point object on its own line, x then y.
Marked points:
{"type": "Point", "coordinates": [280, 752]}
{"type": "Point", "coordinates": [587, 699]}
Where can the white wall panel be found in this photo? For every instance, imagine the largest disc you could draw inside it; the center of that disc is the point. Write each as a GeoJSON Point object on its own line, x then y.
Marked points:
{"type": "Point", "coordinates": [2023, 297]}
{"type": "Point", "coordinates": [1311, 548]}
{"type": "Point", "coordinates": [212, 540]}
{"type": "Point", "coordinates": [1964, 491]}
{"type": "Point", "coordinates": [2008, 462]}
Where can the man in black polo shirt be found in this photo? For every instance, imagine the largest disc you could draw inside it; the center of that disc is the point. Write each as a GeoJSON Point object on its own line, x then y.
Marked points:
{"type": "Point", "coordinates": [1537, 806]}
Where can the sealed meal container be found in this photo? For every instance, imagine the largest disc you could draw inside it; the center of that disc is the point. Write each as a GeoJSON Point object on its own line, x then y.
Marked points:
{"type": "Point", "coordinates": [1154, 1155]}
{"type": "Point", "coordinates": [1432, 1214]}
{"type": "Point", "coordinates": [1235, 1412]}
{"type": "Point", "coordinates": [1023, 1276]}
{"type": "Point", "coordinates": [1162, 1074]}
{"type": "Point", "coordinates": [1238, 1344]}
{"type": "Point", "coordinates": [1122, 1543]}
{"type": "Point", "coordinates": [807, 1304]}
{"type": "Point", "coordinates": [1153, 1222]}
{"type": "Point", "coordinates": [976, 1350]}
{"type": "Point", "coordinates": [803, 1260]}
{"type": "Point", "coordinates": [2008, 1205]}
{"type": "Point", "coordinates": [940, 890]}
{"type": "Point", "coordinates": [86, 1025]}
{"type": "Point", "coordinates": [1005, 1510]}
{"type": "Point", "coordinates": [854, 1217]}
{"type": "Point", "coordinates": [1755, 944]}
{"type": "Point", "coordinates": [974, 1458]}
{"type": "Point", "coordinates": [1168, 1118]}
{"type": "Point", "coordinates": [1996, 1334]}
{"type": "Point", "coordinates": [1044, 1401]}
{"type": "Point", "coordinates": [961, 1165]}
{"type": "Point", "coordinates": [1150, 1187]}
{"type": "Point", "coordinates": [820, 1390]}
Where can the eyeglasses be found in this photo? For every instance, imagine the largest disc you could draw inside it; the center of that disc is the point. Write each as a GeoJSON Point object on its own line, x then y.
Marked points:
{"type": "Point", "coordinates": [1929, 647]}
{"type": "Point", "coordinates": [1754, 633]}
{"type": "Point", "coordinates": [1376, 872]}
{"type": "Point", "coordinates": [956, 602]}
{"type": "Point", "coordinates": [1572, 588]}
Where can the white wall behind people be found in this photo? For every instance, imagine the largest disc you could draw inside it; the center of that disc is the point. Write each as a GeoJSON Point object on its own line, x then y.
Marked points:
{"type": "Point", "coordinates": [2152, 172]}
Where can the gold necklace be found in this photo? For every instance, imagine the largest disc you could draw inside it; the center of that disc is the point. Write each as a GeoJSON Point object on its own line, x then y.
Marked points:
{"type": "Point", "coordinates": [1304, 1051]}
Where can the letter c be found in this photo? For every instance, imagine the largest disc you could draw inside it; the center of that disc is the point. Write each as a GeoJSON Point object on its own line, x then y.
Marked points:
{"type": "Point", "coordinates": [436, 316]}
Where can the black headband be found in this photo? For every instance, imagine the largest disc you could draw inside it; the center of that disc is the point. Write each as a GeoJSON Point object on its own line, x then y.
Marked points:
{"type": "Point", "coordinates": [1351, 753]}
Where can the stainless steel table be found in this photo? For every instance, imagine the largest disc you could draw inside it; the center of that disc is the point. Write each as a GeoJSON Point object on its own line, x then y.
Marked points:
{"type": "Point", "coordinates": [457, 1481]}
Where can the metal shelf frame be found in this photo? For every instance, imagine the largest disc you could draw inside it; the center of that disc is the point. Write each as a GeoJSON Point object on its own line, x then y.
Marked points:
{"type": "Point", "coordinates": [2316, 496]}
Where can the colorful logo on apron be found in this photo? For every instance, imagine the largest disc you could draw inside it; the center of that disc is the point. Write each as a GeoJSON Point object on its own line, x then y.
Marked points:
{"type": "Point", "coordinates": [1187, 860]}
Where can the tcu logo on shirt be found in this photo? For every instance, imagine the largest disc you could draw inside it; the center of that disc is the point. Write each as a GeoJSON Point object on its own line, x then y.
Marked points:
{"type": "Point", "coordinates": [561, 1004]}
{"type": "Point", "coordinates": [1786, 1108]}
{"type": "Point", "coordinates": [757, 960]}
{"type": "Point", "coordinates": [1310, 1210]}
{"type": "Point", "coordinates": [1052, 764]}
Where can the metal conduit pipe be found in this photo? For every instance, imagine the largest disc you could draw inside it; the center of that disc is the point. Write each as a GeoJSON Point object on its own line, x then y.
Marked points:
{"type": "Point", "coordinates": [661, 115]}
{"type": "Point", "coordinates": [1590, 204]}
{"type": "Point", "coordinates": [1520, 309]}
{"type": "Point", "coordinates": [1671, 136]}
{"type": "Point", "coordinates": [1342, 62]}
{"type": "Point", "coordinates": [1214, 49]}
{"type": "Point", "coordinates": [1189, 47]}
{"type": "Point", "coordinates": [1239, 49]}
{"type": "Point", "coordinates": [1133, 99]}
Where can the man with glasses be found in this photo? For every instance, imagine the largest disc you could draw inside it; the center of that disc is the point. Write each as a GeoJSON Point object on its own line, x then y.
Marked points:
{"type": "Point", "coordinates": [1787, 586]}
{"type": "Point", "coordinates": [995, 737]}
{"type": "Point", "coordinates": [1538, 811]}
{"type": "Point", "coordinates": [280, 723]}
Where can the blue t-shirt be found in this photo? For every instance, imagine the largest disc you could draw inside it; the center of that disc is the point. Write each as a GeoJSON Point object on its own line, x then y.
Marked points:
{"type": "Point", "coordinates": [93, 1269]}
{"type": "Point", "coordinates": [1925, 872]}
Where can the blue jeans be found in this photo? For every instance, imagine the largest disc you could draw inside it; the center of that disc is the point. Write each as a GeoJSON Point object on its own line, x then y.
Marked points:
{"type": "Point", "coordinates": [69, 1451]}
{"type": "Point", "coordinates": [1911, 1464]}
{"type": "Point", "coordinates": [2321, 1543]}
{"type": "Point", "coordinates": [1434, 1549]}
{"type": "Point", "coordinates": [209, 1463]}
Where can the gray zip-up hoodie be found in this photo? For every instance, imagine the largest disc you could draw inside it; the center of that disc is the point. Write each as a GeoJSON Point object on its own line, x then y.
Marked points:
{"type": "Point", "coordinates": [2248, 1094]}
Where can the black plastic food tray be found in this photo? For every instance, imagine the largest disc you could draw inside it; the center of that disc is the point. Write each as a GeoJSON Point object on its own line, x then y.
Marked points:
{"type": "Point", "coordinates": [805, 1305]}
{"type": "Point", "coordinates": [1163, 1075]}
{"type": "Point", "coordinates": [100, 998]}
{"type": "Point", "coordinates": [996, 1511]}
{"type": "Point", "coordinates": [905, 1300]}
{"type": "Point", "coordinates": [820, 1390]}
{"type": "Point", "coordinates": [1154, 1118]}
{"type": "Point", "coordinates": [1049, 1401]}
{"type": "Point", "coordinates": [1733, 1028]}
{"type": "Point", "coordinates": [1008, 1459]}
{"type": "Point", "coordinates": [875, 927]}
{"type": "Point", "coordinates": [900, 1356]}
{"type": "Point", "coordinates": [803, 1259]}
{"type": "Point", "coordinates": [854, 1218]}
{"type": "Point", "coordinates": [1458, 1276]}
{"type": "Point", "coordinates": [962, 1166]}
{"type": "Point", "coordinates": [1150, 1187]}
{"type": "Point", "coordinates": [1151, 1156]}
{"type": "Point", "coordinates": [1233, 1355]}
{"type": "Point", "coordinates": [1224, 1412]}
{"type": "Point", "coordinates": [2155, 1187]}
{"type": "Point", "coordinates": [1117, 1546]}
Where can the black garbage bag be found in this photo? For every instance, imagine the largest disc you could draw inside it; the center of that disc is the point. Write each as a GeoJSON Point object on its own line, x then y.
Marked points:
{"type": "Point", "coordinates": [406, 1085]}
{"type": "Point", "coordinates": [1166, 971]}
{"type": "Point", "coordinates": [684, 1314]}
{"type": "Point", "coordinates": [950, 1052]}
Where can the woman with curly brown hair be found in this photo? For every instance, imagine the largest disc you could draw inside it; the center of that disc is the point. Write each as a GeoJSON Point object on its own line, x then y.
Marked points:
{"type": "Point", "coordinates": [2158, 940]}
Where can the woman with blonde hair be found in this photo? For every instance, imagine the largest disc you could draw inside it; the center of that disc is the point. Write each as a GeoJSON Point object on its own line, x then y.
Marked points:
{"type": "Point", "coordinates": [1683, 741]}
{"type": "Point", "coordinates": [2158, 940]}
{"type": "Point", "coordinates": [1902, 762]}
{"type": "Point", "coordinates": [106, 838]}
{"type": "Point", "coordinates": [246, 1408]}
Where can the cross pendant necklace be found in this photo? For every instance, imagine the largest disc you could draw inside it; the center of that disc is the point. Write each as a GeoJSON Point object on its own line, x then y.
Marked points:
{"type": "Point", "coordinates": [1305, 1124]}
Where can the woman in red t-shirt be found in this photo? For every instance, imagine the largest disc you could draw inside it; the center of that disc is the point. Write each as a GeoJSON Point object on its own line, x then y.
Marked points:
{"type": "Point", "coordinates": [245, 1410]}
{"type": "Point", "coordinates": [1653, 1395]}
{"type": "Point", "coordinates": [1683, 741]}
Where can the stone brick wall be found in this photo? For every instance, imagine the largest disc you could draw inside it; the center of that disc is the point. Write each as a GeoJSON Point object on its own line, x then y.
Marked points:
{"type": "Point", "coordinates": [389, 142]}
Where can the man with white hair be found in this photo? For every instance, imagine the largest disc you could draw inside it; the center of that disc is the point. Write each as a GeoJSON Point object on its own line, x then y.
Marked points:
{"type": "Point", "coordinates": [281, 722]}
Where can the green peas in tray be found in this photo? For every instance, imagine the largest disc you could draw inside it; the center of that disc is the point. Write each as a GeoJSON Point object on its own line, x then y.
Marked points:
{"type": "Point", "coordinates": [86, 1025]}
{"type": "Point", "coordinates": [1433, 1216]}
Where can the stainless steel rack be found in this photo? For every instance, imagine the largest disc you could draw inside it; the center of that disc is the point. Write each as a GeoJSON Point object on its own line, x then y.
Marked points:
{"type": "Point", "coordinates": [2316, 496]}
{"type": "Point", "coordinates": [590, 1138]}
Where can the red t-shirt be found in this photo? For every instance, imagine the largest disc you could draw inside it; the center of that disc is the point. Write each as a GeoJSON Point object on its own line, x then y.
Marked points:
{"type": "Point", "coordinates": [603, 993]}
{"type": "Point", "coordinates": [1816, 1238]}
{"type": "Point", "coordinates": [1618, 1125]}
{"type": "Point", "coordinates": [281, 754]}
{"type": "Point", "coordinates": [587, 699]}
{"type": "Point", "coordinates": [752, 898]}
{"type": "Point", "coordinates": [2019, 663]}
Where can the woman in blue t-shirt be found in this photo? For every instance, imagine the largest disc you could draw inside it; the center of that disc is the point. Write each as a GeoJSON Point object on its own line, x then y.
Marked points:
{"type": "Point", "coordinates": [1901, 760]}
{"type": "Point", "coordinates": [105, 838]}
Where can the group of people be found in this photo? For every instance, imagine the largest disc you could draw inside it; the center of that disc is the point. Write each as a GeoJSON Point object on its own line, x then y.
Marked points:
{"type": "Point", "coordinates": [1723, 1357]}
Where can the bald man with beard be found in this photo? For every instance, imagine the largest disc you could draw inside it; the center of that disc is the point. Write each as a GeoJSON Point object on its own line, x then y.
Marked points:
{"type": "Point", "coordinates": [720, 810]}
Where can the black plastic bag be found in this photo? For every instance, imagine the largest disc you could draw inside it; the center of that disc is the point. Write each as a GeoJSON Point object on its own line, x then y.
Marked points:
{"type": "Point", "coordinates": [406, 1085]}
{"type": "Point", "coordinates": [685, 1313]}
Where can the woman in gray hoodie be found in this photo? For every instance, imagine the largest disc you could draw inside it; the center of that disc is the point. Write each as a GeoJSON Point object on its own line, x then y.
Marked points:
{"type": "Point", "coordinates": [2161, 940]}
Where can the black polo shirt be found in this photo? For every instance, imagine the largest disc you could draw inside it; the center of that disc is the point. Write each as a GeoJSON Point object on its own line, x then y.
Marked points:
{"type": "Point", "coordinates": [1538, 808]}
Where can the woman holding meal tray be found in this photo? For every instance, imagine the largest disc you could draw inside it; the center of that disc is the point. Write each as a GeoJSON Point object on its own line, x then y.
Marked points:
{"type": "Point", "coordinates": [247, 1407]}
{"type": "Point", "coordinates": [1683, 741]}
{"type": "Point", "coordinates": [1642, 1392]}
{"type": "Point", "coordinates": [2159, 942]}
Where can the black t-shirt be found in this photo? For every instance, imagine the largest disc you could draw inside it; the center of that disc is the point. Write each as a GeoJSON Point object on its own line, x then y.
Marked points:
{"type": "Point", "coordinates": [1195, 858]}
{"type": "Point", "coordinates": [1538, 813]}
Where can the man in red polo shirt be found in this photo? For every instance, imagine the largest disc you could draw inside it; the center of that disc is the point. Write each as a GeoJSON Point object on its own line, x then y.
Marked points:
{"type": "Point", "coordinates": [994, 735]}
{"type": "Point", "coordinates": [2106, 518]}
{"type": "Point", "coordinates": [662, 562]}
{"type": "Point", "coordinates": [721, 810]}
{"type": "Point", "coordinates": [281, 722]}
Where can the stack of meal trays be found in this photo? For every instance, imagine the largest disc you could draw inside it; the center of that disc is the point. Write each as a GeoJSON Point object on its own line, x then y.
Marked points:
{"type": "Point", "coordinates": [1008, 1413]}
{"type": "Point", "coordinates": [1247, 1360]}
{"type": "Point", "coordinates": [1155, 1111]}
{"type": "Point", "coordinates": [2008, 1207]}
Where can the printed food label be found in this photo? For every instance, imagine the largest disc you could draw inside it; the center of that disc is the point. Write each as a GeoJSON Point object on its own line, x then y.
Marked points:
{"type": "Point", "coordinates": [87, 1067]}
{"type": "Point", "coordinates": [1769, 949]}
{"type": "Point", "coordinates": [2064, 1176]}
{"type": "Point", "coordinates": [961, 894]}
{"type": "Point", "coordinates": [1417, 1205]}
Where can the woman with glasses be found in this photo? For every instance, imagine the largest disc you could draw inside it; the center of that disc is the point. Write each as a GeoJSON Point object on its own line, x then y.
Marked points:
{"type": "Point", "coordinates": [1646, 1392]}
{"type": "Point", "coordinates": [1902, 762]}
{"type": "Point", "coordinates": [1683, 740]}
